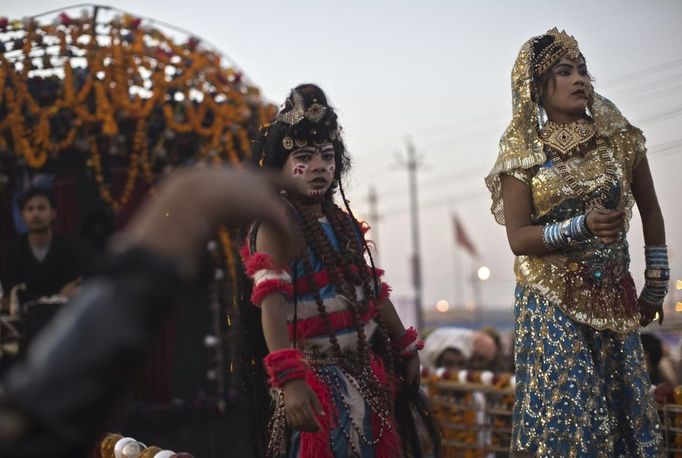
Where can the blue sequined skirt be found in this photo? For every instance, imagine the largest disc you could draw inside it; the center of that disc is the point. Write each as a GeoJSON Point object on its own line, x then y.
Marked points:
{"type": "Point", "coordinates": [580, 392]}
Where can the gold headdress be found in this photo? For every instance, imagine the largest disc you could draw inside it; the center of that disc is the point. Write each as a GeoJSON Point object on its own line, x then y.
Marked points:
{"type": "Point", "coordinates": [562, 45]}
{"type": "Point", "coordinates": [314, 113]}
{"type": "Point", "coordinates": [520, 146]}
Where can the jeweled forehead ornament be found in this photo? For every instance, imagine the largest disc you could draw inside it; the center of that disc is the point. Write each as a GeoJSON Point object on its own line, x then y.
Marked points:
{"type": "Point", "coordinates": [563, 45]}
{"type": "Point", "coordinates": [314, 113]}
{"type": "Point", "coordinates": [298, 113]}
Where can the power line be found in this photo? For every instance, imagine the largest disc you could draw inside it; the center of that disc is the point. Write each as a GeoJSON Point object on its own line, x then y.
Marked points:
{"type": "Point", "coordinates": [649, 96]}
{"type": "Point", "coordinates": [661, 115]}
{"type": "Point", "coordinates": [660, 150]}
{"type": "Point", "coordinates": [493, 118]}
{"type": "Point", "coordinates": [396, 191]}
{"type": "Point", "coordinates": [644, 72]}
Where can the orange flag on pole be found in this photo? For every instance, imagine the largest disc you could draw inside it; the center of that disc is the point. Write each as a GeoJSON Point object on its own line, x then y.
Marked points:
{"type": "Point", "coordinates": [462, 238]}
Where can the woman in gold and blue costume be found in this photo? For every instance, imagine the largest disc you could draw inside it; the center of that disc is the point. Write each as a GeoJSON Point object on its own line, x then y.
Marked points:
{"type": "Point", "coordinates": [570, 168]}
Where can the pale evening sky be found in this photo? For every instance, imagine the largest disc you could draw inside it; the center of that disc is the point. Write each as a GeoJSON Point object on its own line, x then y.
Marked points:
{"type": "Point", "coordinates": [439, 71]}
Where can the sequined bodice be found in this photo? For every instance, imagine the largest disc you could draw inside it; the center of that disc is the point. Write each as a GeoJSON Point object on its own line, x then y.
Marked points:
{"type": "Point", "coordinates": [589, 281]}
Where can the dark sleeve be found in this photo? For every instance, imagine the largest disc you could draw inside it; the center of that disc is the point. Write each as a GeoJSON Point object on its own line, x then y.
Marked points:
{"type": "Point", "coordinates": [87, 257]}
{"type": "Point", "coordinates": [77, 369]}
{"type": "Point", "coordinates": [9, 260]}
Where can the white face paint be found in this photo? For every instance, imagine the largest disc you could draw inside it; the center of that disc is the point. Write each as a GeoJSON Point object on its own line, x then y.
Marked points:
{"type": "Point", "coordinates": [315, 165]}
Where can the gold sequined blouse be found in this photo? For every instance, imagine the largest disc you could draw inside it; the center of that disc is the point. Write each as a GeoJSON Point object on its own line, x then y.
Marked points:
{"type": "Point", "coordinates": [590, 282]}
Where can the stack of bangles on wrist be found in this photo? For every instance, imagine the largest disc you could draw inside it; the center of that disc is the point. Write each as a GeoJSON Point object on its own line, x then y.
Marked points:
{"type": "Point", "coordinates": [656, 275]}
{"type": "Point", "coordinates": [284, 365]}
{"type": "Point", "coordinates": [408, 343]}
{"type": "Point", "coordinates": [566, 233]}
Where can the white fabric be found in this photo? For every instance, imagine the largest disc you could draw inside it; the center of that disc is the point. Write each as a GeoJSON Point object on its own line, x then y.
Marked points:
{"type": "Point", "coordinates": [308, 309]}
{"type": "Point", "coordinates": [443, 338]}
{"type": "Point", "coordinates": [269, 274]}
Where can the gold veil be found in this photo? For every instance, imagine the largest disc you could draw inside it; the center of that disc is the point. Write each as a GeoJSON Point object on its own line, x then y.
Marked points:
{"type": "Point", "coordinates": [521, 146]}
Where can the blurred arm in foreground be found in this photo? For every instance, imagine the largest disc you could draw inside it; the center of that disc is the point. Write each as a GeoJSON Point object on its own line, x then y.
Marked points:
{"type": "Point", "coordinates": [56, 401]}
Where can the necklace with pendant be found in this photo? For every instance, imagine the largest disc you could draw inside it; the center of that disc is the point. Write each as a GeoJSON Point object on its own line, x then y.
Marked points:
{"type": "Point", "coordinates": [566, 139]}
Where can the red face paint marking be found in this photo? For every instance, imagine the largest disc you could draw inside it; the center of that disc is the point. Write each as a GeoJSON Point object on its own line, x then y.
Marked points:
{"type": "Point", "coordinates": [299, 170]}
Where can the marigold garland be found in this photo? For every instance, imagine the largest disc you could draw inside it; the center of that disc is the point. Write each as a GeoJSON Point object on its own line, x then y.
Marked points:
{"type": "Point", "coordinates": [111, 74]}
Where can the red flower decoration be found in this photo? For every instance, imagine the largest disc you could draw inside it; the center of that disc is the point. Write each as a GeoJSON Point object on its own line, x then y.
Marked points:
{"type": "Point", "coordinates": [192, 43]}
{"type": "Point", "coordinates": [64, 19]}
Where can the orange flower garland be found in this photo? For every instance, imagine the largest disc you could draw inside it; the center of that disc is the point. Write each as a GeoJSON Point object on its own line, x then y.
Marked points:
{"type": "Point", "coordinates": [129, 74]}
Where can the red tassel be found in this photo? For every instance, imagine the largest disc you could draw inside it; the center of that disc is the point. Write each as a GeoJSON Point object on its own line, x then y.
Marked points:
{"type": "Point", "coordinates": [268, 287]}
{"type": "Point", "coordinates": [384, 292]}
{"type": "Point", "coordinates": [405, 339]}
{"type": "Point", "coordinates": [318, 444]}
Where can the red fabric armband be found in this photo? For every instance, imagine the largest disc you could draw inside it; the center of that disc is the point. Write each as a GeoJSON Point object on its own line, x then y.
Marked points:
{"type": "Point", "coordinates": [408, 336]}
{"type": "Point", "coordinates": [284, 365]}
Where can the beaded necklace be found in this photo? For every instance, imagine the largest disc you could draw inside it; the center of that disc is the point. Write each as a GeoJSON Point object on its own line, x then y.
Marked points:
{"type": "Point", "coordinates": [602, 190]}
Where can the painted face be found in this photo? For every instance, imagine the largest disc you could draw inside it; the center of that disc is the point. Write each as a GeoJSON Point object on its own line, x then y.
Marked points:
{"type": "Point", "coordinates": [38, 214]}
{"type": "Point", "coordinates": [315, 166]}
{"type": "Point", "coordinates": [567, 91]}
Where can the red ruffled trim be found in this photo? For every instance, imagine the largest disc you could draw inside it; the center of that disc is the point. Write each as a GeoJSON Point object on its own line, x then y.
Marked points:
{"type": "Point", "coordinates": [322, 279]}
{"type": "Point", "coordinates": [256, 261]}
{"type": "Point", "coordinates": [318, 444]}
{"type": "Point", "coordinates": [405, 339]}
{"type": "Point", "coordinates": [389, 444]}
{"type": "Point", "coordinates": [408, 352]}
{"type": "Point", "coordinates": [268, 287]}
{"type": "Point", "coordinates": [284, 365]}
{"type": "Point", "coordinates": [315, 326]}
{"type": "Point", "coordinates": [364, 227]}
{"type": "Point", "coordinates": [384, 292]}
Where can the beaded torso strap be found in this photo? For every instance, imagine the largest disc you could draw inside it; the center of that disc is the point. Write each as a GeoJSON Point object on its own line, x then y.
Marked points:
{"type": "Point", "coordinates": [603, 190]}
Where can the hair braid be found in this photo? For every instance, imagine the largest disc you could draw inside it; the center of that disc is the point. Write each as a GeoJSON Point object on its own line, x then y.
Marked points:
{"type": "Point", "coordinates": [346, 261]}
{"type": "Point", "coordinates": [310, 278]}
{"type": "Point", "coordinates": [388, 353]}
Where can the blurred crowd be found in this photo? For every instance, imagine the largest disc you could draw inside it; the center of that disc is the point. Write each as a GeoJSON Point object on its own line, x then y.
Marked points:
{"type": "Point", "coordinates": [487, 349]}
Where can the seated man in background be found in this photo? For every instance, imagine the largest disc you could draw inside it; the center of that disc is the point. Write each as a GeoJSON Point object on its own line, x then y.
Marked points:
{"type": "Point", "coordinates": [57, 401]}
{"type": "Point", "coordinates": [41, 263]}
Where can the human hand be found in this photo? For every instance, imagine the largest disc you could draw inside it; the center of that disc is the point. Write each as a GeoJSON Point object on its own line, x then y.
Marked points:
{"type": "Point", "coordinates": [648, 312]}
{"type": "Point", "coordinates": [605, 224]}
{"type": "Point", "coordinates": [301, 406]}
{"type": "Point", "coordinates": [190, 204]}
{"type": "Point", "coordinates": [71, 288]}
